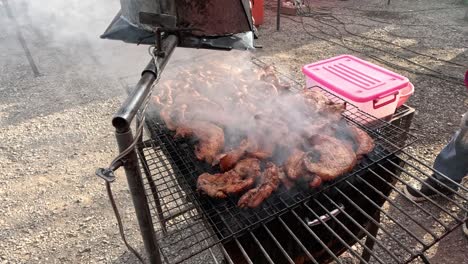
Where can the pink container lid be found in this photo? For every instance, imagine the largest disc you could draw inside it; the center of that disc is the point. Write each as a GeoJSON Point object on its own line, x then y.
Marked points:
{"type": "Point", "coordinates": [356, 79]}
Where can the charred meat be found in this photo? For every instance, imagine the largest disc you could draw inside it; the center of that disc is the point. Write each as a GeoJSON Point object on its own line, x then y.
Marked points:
{"type": "Point", "coordinates": [269, 181]}
{"type": "Point", "coordinates": [362, 142]}
{"type": "Point", "coordinates": [249, 167]}
{"type": "Point", "coordinates": [221, 185]}
{"type": "Point", "coordinates": [244, 120]}
{"type": "Point", "coordinates": [228, 160]}
{"type": "Point", "coordinates": [210, 139]}
{"type": "Point", "coordinates": [294, 165]}
{"type": "Point", "coordinates": [285, 180]}
{"type": "Point", "coordinates": [329, 158]}
{"type": "Point", "coordinates": [315, 182]}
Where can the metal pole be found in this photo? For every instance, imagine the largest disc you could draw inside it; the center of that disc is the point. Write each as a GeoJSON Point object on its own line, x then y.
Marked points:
{"type": "Point", "coordinates": [124, 116]}
{"type": "Point", "coordinates": [137, 190]}
{"type": "Point", "coordinates": [124, 136]}
{"type": "Point", "coordinates": [278, 15]}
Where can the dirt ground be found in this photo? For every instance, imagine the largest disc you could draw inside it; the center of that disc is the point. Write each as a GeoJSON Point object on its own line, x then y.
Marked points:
{"type": "Point", "coordinates": [60, 85]}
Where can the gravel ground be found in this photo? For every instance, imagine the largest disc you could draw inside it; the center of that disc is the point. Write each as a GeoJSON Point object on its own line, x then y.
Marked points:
{"type": "Point", "coordinates": [56, 126]}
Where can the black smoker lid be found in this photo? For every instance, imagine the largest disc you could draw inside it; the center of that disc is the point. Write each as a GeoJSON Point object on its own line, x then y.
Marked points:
{"type": "Point", "coordinates": [121, 29]}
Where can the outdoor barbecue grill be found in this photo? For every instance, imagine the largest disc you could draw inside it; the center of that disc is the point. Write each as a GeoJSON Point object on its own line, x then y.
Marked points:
{"type": "Point", "coordinates": [296, 227]}
{"type": "Point", "coordinates": [356, 213]}
{"type": "Point", "coordinates": [336, 218]}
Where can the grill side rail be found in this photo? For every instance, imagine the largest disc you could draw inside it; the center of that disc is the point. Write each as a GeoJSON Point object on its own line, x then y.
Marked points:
{"type": "Point", "coordinates": [366, 219]}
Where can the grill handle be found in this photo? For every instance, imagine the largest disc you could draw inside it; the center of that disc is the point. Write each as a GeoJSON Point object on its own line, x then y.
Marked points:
{"type": "Point", "coordinates": [325, 217]}
{"type": "Point", "coordinates": [124, 116]}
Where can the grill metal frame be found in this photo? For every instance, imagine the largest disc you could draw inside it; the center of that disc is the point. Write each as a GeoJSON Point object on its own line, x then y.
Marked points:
{"type": "Point", "coordinates": [181, 159]}
{"type": "Point", "coordinates": [179, 226]}
{"type": "Point", "coordinates": [169, 214]}
{"type": "Point", "coordinates": [386, 136]}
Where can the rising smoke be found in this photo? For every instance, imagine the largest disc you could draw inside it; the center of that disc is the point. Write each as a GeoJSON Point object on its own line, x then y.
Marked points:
{"type": "Point", "coordinates": [65, 21]}
{"type": "Point", "coordinates": [227, 88]}
{"type": "Point", "coordinates": [68, 31]}
{"type": "Point", "coordinates": [61, 39]}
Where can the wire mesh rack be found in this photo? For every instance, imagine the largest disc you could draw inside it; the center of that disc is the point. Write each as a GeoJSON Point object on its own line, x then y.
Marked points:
{"type": "Point", "coordinates": [183, 215]}
{"type": "Point", "coordinates": [407, 229]}
{"type": "Point", "coordinates": [364, 215]}
{"type": "Point", "coordinates": [400, 232]}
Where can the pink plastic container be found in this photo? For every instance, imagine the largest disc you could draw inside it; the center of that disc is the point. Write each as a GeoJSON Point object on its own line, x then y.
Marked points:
{"type": "Point", "coordinates": [405, 94]}
{"type": "Point", "coordinates": [369, 87]}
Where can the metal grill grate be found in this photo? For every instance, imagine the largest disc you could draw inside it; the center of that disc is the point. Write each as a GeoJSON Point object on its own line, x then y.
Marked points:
{"type": "Point", "coordinates": [190, 223]}
{"type": "Point", "coordinates": [363, 216]}
{"type": "Point", "coordinates": [407, 228]}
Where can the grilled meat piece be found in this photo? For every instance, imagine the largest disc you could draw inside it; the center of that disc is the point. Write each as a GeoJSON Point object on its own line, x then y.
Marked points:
{"type": "Point", "coordinates": [292, 140]}
{"type": "Point", "coordinates": [315, 97]}
{"type": "Point", "coordinates": [210, 139]}
{"type": "Point", "coordinates": [221, 185]}
{"type": "Point", "coordinates": [269, 75]}
{"type": "Point", "coordinates": [260, 148]}
{"type": "Point", "coordinates": [249, 167]}
{"type": "Point", "coordinates": [211, 143]}
{"type": "Point", "coordinates": [199, 108]}
{"type": "Point", "coordinates": [294, 165]}
{"type": "Point", "coordinates": [362, 142]}
{"type": "Point", "coordinates": [263, 89]}
{"type": "Point", "coordinates": [329, 157]}
{"type": "Point", "coordinates": [268, 133]}
{"type": "Point", "coordinates": [164, 95]}
{"type": "Point", "coordinates": [228, 160]}
{"type": "Point", "coordinates": [333, 125]}
{"type": "Point", "coordinates": [156, 99]}
{"type": "Point", "coordinates": [260, 154]}
{"type": "Point", "coordinates": [165, 114]}
{"type": "Point", "coordinates": [167, 93]}
{"type": "Point", "coordinates": [319, 104]}
{"type": "Point", "coordinates": [318, 99]}
{"type": "Point", "coordinates": [288, 183]}
{"type": "Point", "coordinates": [269, 182]}
{"type": "Point", "coordinates": [336, 108]}
{"type": "Point", "coordinates": [201, 104]}
{"type": "Point", "coordinates": [255, 147]}
{"type": "Point", "coordinates": [315, 182]}
{"type": "Point", "coordinates": [318, 126]}
{"type": "Point", "coordinates": [263, 150]}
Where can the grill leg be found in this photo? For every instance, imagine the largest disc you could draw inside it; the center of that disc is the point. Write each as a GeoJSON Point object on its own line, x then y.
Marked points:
{"type": "Point", "coordinates": [135, 184]}
{"type": "Point", "coordinates": [373, 229]}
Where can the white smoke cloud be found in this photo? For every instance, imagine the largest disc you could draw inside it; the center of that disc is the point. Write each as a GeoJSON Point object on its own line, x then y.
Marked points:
{"type": "Point", "coordinates": [64, 38]}
{"type": "Point", "coordinates": [67, 20]}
